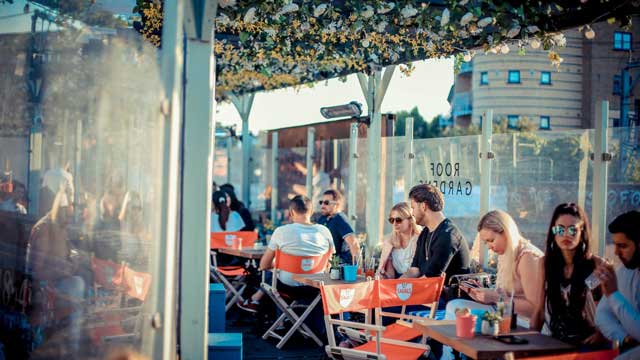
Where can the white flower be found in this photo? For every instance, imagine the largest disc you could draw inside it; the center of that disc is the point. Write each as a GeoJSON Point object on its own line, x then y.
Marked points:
{"type": "Point", "coordinates": [366, 43]}
{"type": "Point", "coordinates": [532, 29]}
{"type": "Point", "coordinates": [373, 57]}
{"type": "Point", "coordinates": [560, 40]}
{"type": "Point", "coordinates": [223, 19]}
{"type": "Point", "coordinates": [535, 43]}
{"type": "Point", "coordinates": [382, 26]}
{"type": "Point", "coordinates": [227, 3]}
{"type": "Point", "coordinates": [319, 10]}
{"type": "Point", "coordinates": [408, 11]}
{"type": "Point", "coordinates": [305, 26]}
{"type": "Point", "coordinates": [386, 7]}
{"type": "Point", "coordinates": [484, 22]}
{"type": "Point", "coordinates": [463, 34]}
{"type": "Point", "coordinates": [288, 9]}
{"type": "Point", "coordinates": [394, 56]}
{"type": "Point", "coordinates": [271, 32]}
{"type": "Point", "coordinates": [466, 19]}
{"type": "Point", "coordinates": [444, 20]}
{"type": "Point", "coordinates": [463, 2]}
{"type": "Point", "coordinates": [367, 12]}
{"type": "Point", "coordinates": [504, 49]}
{"type": "Point", "coordinates": [250, 17]}
{"type": "Point", "coordinates": [513, 32]}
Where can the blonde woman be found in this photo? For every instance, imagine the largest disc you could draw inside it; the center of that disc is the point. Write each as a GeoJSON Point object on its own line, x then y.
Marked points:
{"type": "Point", "coordinates": [519, 267]}
{"type": "Point", "coordinates": [399, 247]}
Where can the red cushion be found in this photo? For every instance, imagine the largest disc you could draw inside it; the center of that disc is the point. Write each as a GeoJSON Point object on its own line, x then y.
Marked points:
{"type": "Point", "coordinates": [392, 351]}
{"type": "Point", "coordinates": [232, 271]}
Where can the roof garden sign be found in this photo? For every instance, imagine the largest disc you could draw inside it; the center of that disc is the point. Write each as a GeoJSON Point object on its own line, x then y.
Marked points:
{"type": "Point", "coordinates": [262, 45]}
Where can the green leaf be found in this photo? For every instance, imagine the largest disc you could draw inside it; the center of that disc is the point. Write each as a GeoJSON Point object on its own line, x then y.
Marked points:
{"type": "Point", "coordinates": [244, 36]}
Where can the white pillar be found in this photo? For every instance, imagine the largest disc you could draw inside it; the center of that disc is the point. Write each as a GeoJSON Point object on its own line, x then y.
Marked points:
{"type": "Point", "coordinates": [353, 175]}
{"type": "Point", "coordinates": [199, 126]}
{"type": "Point", "coordinates": [36, 168]}
{"type": "Point", "coordinates": [374, 87]}
{"type": "Point", "coordinates": [409, 156]}
{"type": "Point", "coordinates": [601, 158]}
{"type": "Point", "coordinates": [485, 174]}
{"type": "Point", "coordinates": [311, 136]}
{"type": "Point", "coordinates": [163, 296]}
{"type": "Point", "coordinates": [243, 103]}
{"type": "Point", "coordinates": [274, 176]}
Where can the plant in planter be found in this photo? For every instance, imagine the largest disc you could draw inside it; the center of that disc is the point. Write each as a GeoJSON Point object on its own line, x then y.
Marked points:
{"type": "Point", "coordinates": [491, 323]}
{"type": "Point", "coordinates": [334, 272]}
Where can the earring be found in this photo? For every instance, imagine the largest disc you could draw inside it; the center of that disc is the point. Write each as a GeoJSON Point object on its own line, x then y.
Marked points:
{"type": "Point", "coordinates": [584, 246]}
{"type": "Point", "coordinates": [552, 245]}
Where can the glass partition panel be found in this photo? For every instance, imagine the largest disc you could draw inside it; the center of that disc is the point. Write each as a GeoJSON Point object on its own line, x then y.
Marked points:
{"type": "Point", "coordinates": [361, 187]}
{"type": "Point", "coordinates": [536, 171]}
{"type": "Point", "coordinates": [392, 168]}
{"type": "Point", "coordinates": [259, 177]}
{"type": "Point", "coordinates": [623, 188]}
{"type": "Point", "coordinates": [452, 164]}
{"type": "Point", "coordinates": [292, 172]}
{"type": "Point", "coordinates": [222, 160]}
{"type": "Point", "coordinates": [81, 146]}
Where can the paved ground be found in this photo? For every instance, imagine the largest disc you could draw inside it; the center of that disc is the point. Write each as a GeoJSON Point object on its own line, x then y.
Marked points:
{"type": "Point", "coordinates": [255, 348]}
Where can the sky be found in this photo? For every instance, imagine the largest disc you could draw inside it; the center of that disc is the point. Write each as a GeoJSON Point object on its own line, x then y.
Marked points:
{"type": "Point", "coordinates": [427, 88]}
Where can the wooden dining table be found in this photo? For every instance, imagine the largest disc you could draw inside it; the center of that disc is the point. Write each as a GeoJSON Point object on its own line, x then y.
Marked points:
{"type": "Point", "coordinates": [315, 280]}
{"type": "Point", "coordinates": [247, 253]}
{"type": "Point", "coordinates": [484, 347]}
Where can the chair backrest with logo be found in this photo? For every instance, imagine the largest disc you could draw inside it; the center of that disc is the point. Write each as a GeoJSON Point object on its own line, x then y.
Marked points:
{"type": "Point", "coordinates": [106, 273]}
{"type": "Point", "coordinates": [227, 239]}
{"type": "Point", "coordinates": [349, 297]}
{"type": "Point", "coordinates": [137, 283]}
{"type": "Point", "coordinates": [300, 264]}
{"type": "Point", "coordinates": [400, 292]}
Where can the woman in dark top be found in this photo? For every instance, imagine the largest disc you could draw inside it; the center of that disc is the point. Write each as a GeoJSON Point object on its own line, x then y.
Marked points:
{"type": "Point", "coordinates": [237, 206]}
{"type": "Point", "coordinates": [567, 312]}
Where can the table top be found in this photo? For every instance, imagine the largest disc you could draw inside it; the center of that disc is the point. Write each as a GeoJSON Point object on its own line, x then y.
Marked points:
{"type": "Point", "coordinates": [248, 253]}
{"type": "Point", "coordinates": [316, 279]}
{"type": "Point", "coordinates": [485, 347]}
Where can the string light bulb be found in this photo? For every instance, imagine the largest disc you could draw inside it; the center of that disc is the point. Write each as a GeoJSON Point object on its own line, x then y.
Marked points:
{"type": "Point", "coordinates": [504, 49]}
{"type": "Point", "coordinates": [589, 33]}
{"type": "Point", "coordinates": [467, 56]}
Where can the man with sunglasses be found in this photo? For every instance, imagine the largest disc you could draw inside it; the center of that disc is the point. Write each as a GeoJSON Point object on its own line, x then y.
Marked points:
{"type": "Point", "coordinates": [618, 313]}
{"type": "Point", "coordinates": [441, 247]}
{"type": "Point", "coordinates": [345, 242]}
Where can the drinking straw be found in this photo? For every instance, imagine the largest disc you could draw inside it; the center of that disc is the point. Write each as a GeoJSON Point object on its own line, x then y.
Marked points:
{"type": "Point", "coordinates": [511, 301]}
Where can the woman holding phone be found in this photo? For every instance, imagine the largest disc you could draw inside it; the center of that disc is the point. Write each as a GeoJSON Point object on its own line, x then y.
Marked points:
{"type": "Point", "coordinates": [519, 266]}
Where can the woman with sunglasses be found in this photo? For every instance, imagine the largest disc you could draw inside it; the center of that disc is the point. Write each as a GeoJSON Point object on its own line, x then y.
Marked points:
{"type": "Point", "coordinates": [399, 247]}
{"type": "Point", "coordinates": [567, 309]}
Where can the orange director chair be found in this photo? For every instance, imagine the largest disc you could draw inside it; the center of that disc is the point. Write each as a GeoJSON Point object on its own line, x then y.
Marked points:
{"type": "Point", "coordinates": [231, 277]}
{"type": "Point", "coordinates": [362, 296]}
{"type": "Point", "coordinates": [294, 264]}
{"type": "Point", "coordinates": [403, 292]}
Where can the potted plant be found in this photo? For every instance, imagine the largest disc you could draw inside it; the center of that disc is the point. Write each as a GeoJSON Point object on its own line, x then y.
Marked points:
{"type": "Point", "coordinates": [334, 272]}
{"type": "Point", "coordinates": [491, 323]}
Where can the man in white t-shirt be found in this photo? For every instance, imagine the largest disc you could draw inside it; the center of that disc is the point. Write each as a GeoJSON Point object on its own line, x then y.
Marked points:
{"type": "Point", "coordinates": [299, 238]}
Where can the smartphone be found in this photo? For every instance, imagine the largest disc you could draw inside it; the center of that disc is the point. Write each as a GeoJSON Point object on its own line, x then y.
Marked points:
{"type": "Point", "coordinates": [511, 339]}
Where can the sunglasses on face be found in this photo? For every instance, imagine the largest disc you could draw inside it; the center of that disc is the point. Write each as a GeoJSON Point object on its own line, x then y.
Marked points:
{"type": "Point", "coordinates": [396, 220]}
{"type": "Point", "coordinates": [560, 230]}
{"type": "Point", "coordinates": [326, 202]}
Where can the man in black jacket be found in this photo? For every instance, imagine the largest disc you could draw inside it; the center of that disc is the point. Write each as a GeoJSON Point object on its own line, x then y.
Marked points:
{"type": "Point", "coordinates": [441, 247]}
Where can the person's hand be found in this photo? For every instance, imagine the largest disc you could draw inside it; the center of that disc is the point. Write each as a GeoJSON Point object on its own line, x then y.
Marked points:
{"type": "Point", "coordinates": [608, 280]}
{"type": "Point", "coordinates": [484, 296]}
{"type": "Point", "coordinates": [594, 339]}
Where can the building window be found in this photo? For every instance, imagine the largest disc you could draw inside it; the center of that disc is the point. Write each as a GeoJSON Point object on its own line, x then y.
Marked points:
{"type": "Point", "coordinates": [512, 121]}
{"type": "Point", "coordinates": [514, 77]}
{"type": "Point", "coordinates": [545, 123]}
{"type": "Point", "coordinates": [545, 78]}
{"type": "Point", "coordinates": [621, 40]}
{"type": "Point", "coordinates": [484, 78]}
